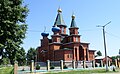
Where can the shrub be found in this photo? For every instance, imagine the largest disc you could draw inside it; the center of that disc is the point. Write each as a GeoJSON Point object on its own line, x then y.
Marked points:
{"type": "Point", "coordinates": [86, 66]}
{"type": "Point", "coordinates": [37, 67]}
{"type": "Point", "coordinates": [52, 67]}
{"type": "Point", "coordinates": [65, 67]}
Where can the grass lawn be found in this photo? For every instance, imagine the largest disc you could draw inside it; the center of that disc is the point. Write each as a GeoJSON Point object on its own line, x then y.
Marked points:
{"type": "Point", "coordinates": [83, 72]}
{"type": "Point", "coordinates": [6, 70]}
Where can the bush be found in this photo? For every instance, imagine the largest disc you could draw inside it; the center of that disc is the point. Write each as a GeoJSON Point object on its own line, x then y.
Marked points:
{"type": "Point", "coordinates": [65, 67]}
{"type": "Point", "coordinates": [52, 67]}
{"type": "Point", "coordinates": [37, 67]}
{"type": "Point", "coordinates": [86, 66]}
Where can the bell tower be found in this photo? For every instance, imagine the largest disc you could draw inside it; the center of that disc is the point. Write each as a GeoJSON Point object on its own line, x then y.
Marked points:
{"type": "Point", "coordinates": [74, 37]}
{"type": "Point", "coordinates": [73, 28]}
{"type": "Point", "coordinates": [59, 22]}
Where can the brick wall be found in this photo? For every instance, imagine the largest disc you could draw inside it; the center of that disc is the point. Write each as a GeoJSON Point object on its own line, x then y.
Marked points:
{"type": "Point", "coordinates": [91, 55]}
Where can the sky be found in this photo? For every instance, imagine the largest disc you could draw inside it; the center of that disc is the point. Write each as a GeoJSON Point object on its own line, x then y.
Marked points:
{"type": "Point", "coordinates": [88, 13]}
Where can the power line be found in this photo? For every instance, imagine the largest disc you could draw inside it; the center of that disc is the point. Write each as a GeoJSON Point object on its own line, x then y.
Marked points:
{"type": "Point", "coordinates": [36, 31]}
{"type": "Point", "coordinates": [89, 30]}
{"type": "Point", "coordinates": [51, 31]}
{"type": "Point", "coordinates": [112, 35]}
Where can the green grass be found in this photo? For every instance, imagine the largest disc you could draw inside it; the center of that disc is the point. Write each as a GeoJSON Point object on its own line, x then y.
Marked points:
{"type": "Point", "coordinates": [83, 72]}
{"type": "Point", "coordinates": [6, 70]}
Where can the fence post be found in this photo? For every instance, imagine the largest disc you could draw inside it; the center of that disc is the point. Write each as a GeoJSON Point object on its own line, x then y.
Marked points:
{"type": "Point", "coordinates": [15, 67]}
{"type": "Point", "coordinates": [116, 63]}
{"type": "Point", "coordinates": [61, 61]}
{"type": "Point", "coordinates": [84, 64]}
{"type": "Point", "coordinates": [101, 62]}
{"type": "Point", "coordinates": [93, 63]}
{"type": "Point", "coordinates": [73, 64]}
{"type": "Point", "coordinates": [108, 62]}
{"type": "Point", "coordinates": [32, 66]}
{"type": "Point", "coordinates": [48, 65]}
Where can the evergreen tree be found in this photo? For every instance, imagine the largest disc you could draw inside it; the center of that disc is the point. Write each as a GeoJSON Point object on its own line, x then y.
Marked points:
{"type": "Point", "coordinates": [119, 51]}
{"type": "Point", "coordinates": [12, 27]}
{"type": "Point", "coordinates": [98, 53]}
{"type": "Point", "coordinates": [31, 55]}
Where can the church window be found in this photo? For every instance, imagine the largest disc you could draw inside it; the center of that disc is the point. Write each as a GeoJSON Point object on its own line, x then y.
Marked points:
{"type": "Point", "coordinates": [58, 40]}
{"type": "Point", "coordinates": [69, 56]}
{"type": "Point", "coordinates": [70, 32]}
{"type": "Point", "coordinates": [70, 39]}
{"type": "Point", "coordinates": [76, 39]}
{"type": "Point", "coordinates": [62, 31]}
{"type": "Point", "coordinates": [73, 31]}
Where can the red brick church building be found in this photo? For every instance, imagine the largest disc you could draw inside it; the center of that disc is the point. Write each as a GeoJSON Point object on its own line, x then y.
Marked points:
{"type": "Point", "coordinates": [63, 46]}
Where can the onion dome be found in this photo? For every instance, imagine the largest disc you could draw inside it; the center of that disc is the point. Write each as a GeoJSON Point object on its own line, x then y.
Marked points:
{"type": "Point", "coordinates": [55, 29]}
{"type": "Point", "coordinates": [73, 16]}
{"type": "Point", "coordinates": [44, 34]}
{"type": "Point", "coordinates": [59, 10]}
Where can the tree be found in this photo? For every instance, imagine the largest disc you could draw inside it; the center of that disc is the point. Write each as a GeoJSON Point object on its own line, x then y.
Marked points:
{"type": "Point", "coordinates": [119, 51]}
{"type": "Point", "coordinates": [5, 61]}
{"type": "Point", "coordinates": [98, 53]}
{"type": "Point", "coordinates": [12, 27]}
{"type": "Point", "coordinates": [21, 57]}
{"type": "Point", "coordinates": [31, 55]}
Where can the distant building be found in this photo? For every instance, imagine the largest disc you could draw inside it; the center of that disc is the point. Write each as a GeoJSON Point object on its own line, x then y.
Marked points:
{"type": "Point", "coordinates": [103, 59]}
{"type": "Point", "coordinates": [62, 46]}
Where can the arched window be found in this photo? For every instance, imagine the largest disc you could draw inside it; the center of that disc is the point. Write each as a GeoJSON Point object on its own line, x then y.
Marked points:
{"type": "Point", "coordinates": [70, 39]}
{"type": "Point", "coordinates": [76, 39]}
{"type": "Point", "coordinates": [58, 40]}
{"type": "Point", "coordinates": [62, 31]}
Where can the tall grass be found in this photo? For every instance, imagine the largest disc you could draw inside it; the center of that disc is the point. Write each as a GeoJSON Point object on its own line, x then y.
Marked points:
{"type": "Point", "coordinates": [6, 70]}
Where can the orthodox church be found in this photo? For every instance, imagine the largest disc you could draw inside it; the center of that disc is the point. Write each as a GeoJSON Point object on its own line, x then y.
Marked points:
{"type": "Point", "coordinates": [64, 46]}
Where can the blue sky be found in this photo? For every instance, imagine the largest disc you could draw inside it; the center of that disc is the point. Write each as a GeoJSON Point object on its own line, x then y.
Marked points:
{"type": "Point", "coordinates": [89, 14]}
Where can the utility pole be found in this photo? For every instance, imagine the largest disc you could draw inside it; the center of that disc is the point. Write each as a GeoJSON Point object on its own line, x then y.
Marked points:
{"type": "Point", "coordinates": [105, 43]}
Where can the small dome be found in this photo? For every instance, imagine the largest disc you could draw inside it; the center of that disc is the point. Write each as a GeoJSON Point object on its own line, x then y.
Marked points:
{"type": "Point", "coordinates": [55, 29]}
{"type": "Point", "coordinates": [44, 34]}
{"type": "Point", "coordinates": [59, 10]}
{"type": "Point", "coordinates": [73, 16]}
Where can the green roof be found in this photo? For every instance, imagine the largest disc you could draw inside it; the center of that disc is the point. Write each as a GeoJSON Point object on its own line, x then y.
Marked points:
{"type": "Point", "coordinates": [59, 19]}
{"type": "Point", "coordinates": [73, 23]}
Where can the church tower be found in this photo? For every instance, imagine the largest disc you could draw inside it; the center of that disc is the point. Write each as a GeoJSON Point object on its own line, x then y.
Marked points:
{"type": "Point", "coordinates": [74, 37]}
{"type": "Point", "coordinates": [59, 22]}
{"type": "Point", "coordinates": [73, 28]}
{"type": "Point", "coordinates": [59, 28]}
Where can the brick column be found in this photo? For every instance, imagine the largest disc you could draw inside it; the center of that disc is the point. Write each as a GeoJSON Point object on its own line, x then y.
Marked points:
{"type": "Point", "coordinates": [93, 63]}
{"type": "Point", "coordinates": [73, 64]}
{"type": "Point", "coordinates": [48, 65]}
{"type": "Point", "coordinates": [61, 62]}
{"type": "Point", "coordinates": [101, 62]}
{"type": "Point", "coordinates": [84, 64]}
{"type": "Point", "coordinates": [32, 66]}
{"type": "Point", "coordinates": [15, 67]}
